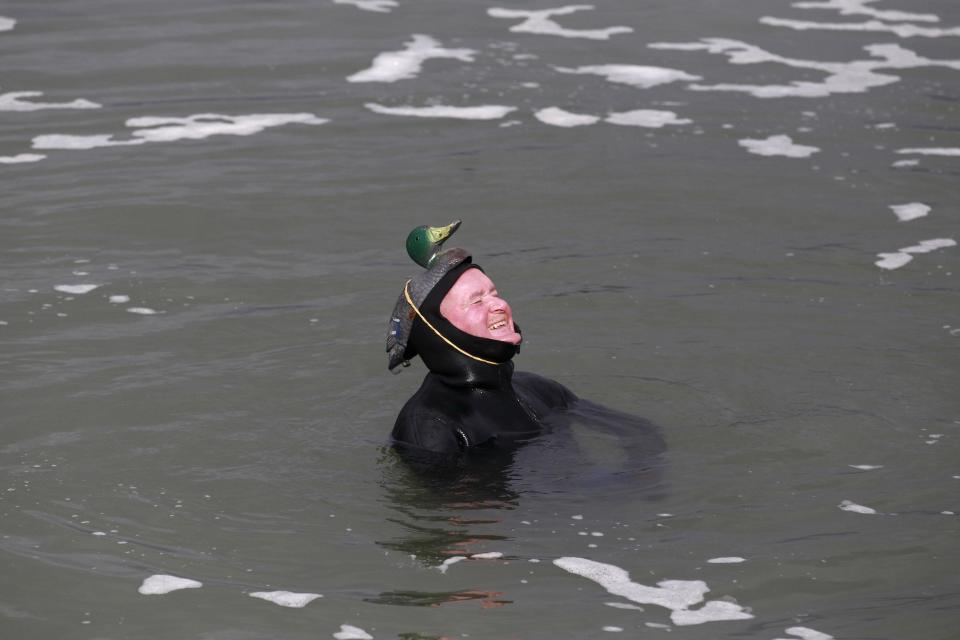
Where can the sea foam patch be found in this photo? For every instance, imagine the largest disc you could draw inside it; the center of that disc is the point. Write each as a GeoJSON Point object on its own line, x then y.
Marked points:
{"type": "Point", "coordinates": [542, 22]}
{"type": "Point", "coordinates": [901, 30]}
{"type": "Point", "coordinates": [484, 112]}
{"type": "Point", "coordinates": [899, 258]}
{"type": "Point", "coordinates": [861, 8]}
{"type": "Point", "coordinates": [632, 74]}
{"type": "Point", "coordinates": [79, 143]}
{"type": "Point", "coordinates": [910, 211]}
{"type": "Point", "coordinates": [7, 24]}
{"type": "Point", "coordinates": [557, 117]}
{"type": "Point", "coordinates": [779, 145]}
{"type": "Point", "coordinates": [676, 595]}
{"type": "Point", "coordinates": [160, 584]}
{"type": "Point", "coordinates": [391, 66]}
{"type": "Point", "coordinates": [380, 6]}
{"type": "Point", "coordinates": [350, 632]}
{"type": "Point", "coordinates": [857, 76]}
{"type": "Point", "coordinates": [22, 158]}
{"type": "Point", "coordinates": [727, 560]}
{"type": "Point", "coordinates": [75, 289]}
{"type": "Point", "coordinates": [449, 562]}
{"type": "Point", "coordinates": [286, 598]}
{"type": "Point", "coordinates": [16, 101]}
{"type": "Point", "coordinates": [170, 129]}
{"type": "Point", "coordinates": [932, 151]}
{"type": "Point", "coordinates": [651, 118]}
{"type": "Point", "coordinates": [806, 633]}
{"type": "Point", "coordinates": [853, 507]}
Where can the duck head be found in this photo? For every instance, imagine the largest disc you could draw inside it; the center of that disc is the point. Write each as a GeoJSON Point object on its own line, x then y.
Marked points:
{"type": "Point", "coordinates": [424, 243]}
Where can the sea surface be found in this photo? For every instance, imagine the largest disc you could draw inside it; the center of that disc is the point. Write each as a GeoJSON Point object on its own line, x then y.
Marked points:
{"type": "Point", "coordinates": [738, 220]}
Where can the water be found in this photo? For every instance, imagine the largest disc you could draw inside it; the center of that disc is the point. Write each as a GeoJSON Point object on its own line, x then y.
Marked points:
{"type": "Point", "coordinates": [215, 409]}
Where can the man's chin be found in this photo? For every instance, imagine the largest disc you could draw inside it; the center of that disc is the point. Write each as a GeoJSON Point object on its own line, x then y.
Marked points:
{"type": "Point", "coordinates": [512, 338]}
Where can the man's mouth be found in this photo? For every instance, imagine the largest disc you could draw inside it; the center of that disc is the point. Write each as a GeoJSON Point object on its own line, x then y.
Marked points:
{"type": "Point", "coordinates": [499, 324]}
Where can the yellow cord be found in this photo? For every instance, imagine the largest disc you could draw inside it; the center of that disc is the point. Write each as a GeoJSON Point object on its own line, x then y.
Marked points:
{"type": "Point", "coordinates": [406, 294]}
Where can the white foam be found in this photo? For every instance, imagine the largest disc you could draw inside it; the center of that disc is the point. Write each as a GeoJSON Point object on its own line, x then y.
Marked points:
{"type": "Point", "coordinates": [167, 129]}
{"type": "Point", "coordinates": [859, 7]}
{"type": "Point", "coordinates": [713, 611]}
{"type": "Point", "coordinates": [143, 311]}
{"type": "Point", "coordinates": [651, 118]}
{"type": "Point", "coordinates": [906, 163]}
{"type": "Point", "coordinates": [391, 66]}
{"type": "Point", "coordinates": [893, 260]}
{"type": "Point", "coordinates": [779, 145]}
{"type": "Point", "coordinates": [727, 560]}
{"type": "Point", "coordinates": [286, 598]}
{"type": "Point", "coordinates": [932, 151]}
{"type": "Point", "coordinates": [866, 467]}
{"type": "Point", "coordinates": [806, 633]}
{"type": "Point", "coordinates": [559, 118]}
{"type": "Point", "coordinates": [162, 583]}
{"type": "Point", "coordinates": [380, 6]}
{"type": "Point", "coordinates": [76, 289]}
{"type": "Point", "coordinates": [22, 157]}
{"type": "Point", "coordinates": [119, 299]}
{"type": "Point", "coordinates": [79, 143]}
{"type": "Point", "coordinates": [612, 629]}
{"type": "Point", "coordinates": [872, 26]}
{"type": "Point", "coordinates": [623, 605]}
{"type": "Point", "coordinates": [204, 125]}
{"type": "Point", "coordinates": [7, 24]}
{"type": "Point", "coordinates": [676, 595]}
{"type": "Point", "coordinates": [633, 75]}
{"type": "Point", "coordinates": [14, 101]}
{"type": "Point", "coordinates": [490, 555]}
{"type": "Point", "coordinates": [910, 211]}
{"type": "Point", "coordinates": [853, 507]}
{"type": "Point", "coordinates": [450, 561]}
{"type": "Point", "coordinates": [857, 76]}
{"type": "Point", "coordinates": [484, 112]}
{"type": "Point", "coordinates": [903, 256]}
{"type": "Point", "coordinates": [541, 22]}
{"type": "Point", "coordinates": [349, 632]}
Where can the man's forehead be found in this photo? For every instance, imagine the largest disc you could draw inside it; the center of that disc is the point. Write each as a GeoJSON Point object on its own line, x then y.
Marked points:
{"type": "Point", "coordinates": [471, 282]}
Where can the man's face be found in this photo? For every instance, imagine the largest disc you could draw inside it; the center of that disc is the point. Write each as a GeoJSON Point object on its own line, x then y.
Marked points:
{"type": "Point", "coordinates": [474, 306]}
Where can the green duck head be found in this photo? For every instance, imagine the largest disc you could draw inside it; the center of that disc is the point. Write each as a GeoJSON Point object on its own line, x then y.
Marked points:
{"type": "Point", "coordinates": [423, 243]}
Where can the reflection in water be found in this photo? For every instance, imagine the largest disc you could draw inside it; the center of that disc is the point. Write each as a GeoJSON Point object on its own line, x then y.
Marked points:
{"type": "Point", "coordinates": [487, 599]}
{"type": "Point", "coordinates": [437, 502]}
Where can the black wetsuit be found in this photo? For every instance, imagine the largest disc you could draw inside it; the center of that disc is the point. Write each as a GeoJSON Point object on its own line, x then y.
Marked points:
{"type": "Point", "coordinates": [479, 405]}
{"type": "Point", "coordinates": [464, 403]}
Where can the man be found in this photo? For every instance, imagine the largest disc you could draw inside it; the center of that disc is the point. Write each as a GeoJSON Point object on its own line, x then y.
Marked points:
{"type": "Point", "coordinates": [453, 317]}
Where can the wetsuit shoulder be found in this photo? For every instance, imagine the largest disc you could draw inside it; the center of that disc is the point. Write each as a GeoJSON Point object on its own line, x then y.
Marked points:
{"type": "Point", "coordinates": [425, 428]}
{"type": "Point", "coordinates": [542, 393]}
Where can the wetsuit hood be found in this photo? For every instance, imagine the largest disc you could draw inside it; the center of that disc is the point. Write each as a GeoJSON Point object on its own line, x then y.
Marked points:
{"type": "Point", "coordinates": [485, 363]}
